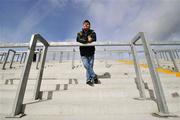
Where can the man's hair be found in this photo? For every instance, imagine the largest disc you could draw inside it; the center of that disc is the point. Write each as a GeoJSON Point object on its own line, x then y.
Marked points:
{"type": "Point", "coordinates": [86, 21]}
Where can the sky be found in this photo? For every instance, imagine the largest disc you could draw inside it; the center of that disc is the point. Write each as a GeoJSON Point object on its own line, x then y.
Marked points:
{"type": "Point", "coordinates": [112, 20]}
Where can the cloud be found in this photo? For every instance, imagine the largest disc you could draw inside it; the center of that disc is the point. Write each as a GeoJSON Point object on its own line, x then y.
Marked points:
{"type": "Point", "coordinates": [161, 21]}
{"type": "Point", "coordinates": [113, 20]}
{"type": "Point", "coordinates": [122, 19]}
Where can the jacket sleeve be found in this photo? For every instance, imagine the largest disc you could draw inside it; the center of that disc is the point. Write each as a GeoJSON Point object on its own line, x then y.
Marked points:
{"type": "Point", "coordinates": [80, 38]}
{"type": "Point", "coordinates": [93, 35]}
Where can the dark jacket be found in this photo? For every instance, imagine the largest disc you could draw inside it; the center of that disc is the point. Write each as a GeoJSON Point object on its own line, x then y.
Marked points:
{"type": "Point", "coordinates": [82, 37]}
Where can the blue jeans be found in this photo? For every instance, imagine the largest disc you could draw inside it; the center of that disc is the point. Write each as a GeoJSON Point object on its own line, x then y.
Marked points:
{"type": "Point", "coordinates": [88, 63]}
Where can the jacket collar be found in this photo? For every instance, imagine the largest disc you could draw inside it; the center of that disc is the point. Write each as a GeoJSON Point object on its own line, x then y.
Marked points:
{"type": "Point", "coordinates": [90, 30]}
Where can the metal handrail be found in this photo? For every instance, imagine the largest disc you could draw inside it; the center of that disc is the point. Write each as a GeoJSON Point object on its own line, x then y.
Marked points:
{"type": "Point", "coordinates": [76, 44]}
{"type": "Point", "coordinates": [6, 58]}
{"type": "Point", "coordinates": [160, 98]}
{"type": "Point", "coordinates": [18, 107]}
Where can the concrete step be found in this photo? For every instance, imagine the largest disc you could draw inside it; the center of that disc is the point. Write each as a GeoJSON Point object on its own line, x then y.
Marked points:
{"type": "Point", "coordinates": [65, 79]}
{"type": "Point", "coordinates": [87, 106]}
{"type": "Point", "coordinates": [113, 99]}
{"type": "Point", "coordinates": [122, 116]}
{"type": "Point", "coordinates": [5, 91]}
{"type": "Point", "coordinates": [45, 84]}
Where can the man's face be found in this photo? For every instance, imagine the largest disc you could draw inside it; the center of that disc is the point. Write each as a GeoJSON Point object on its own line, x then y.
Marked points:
{"type": "Point", "coordinates": [86, 26]}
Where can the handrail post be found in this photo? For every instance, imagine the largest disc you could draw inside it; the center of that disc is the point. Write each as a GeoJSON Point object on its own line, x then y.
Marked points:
{"type": "Point", "coordinates": [17, 59]}
{"type": "Point", "coordinates": [156, 57]}
{"type": "Point", "coordinates": [139, 79]}
{"type": "Point", "coordinates": [73, 59]}
{"type": "Point", "coordinates": [6, 58]}
{"type": "Point", "coordinates": [160, 98]}
{"type": "Point", "coordinates": [54, 56]}
{"type": "Point", "coordinates": [18, 103]}
{"type": "Point", "coordinates": [160, 53]}
{"type": "Point", "coordinates": [106, 58]}
{"type": "Point", "coordinates": [39, 58]}
{"type": "Point", "coordinates": [60, 56]}
{"type": "Point", "coordinates": [68, 55]}
{"type": "Point", "coordinates": [22, 55]}
{"type": "Point", "coordinates": [25, 55]}
{"type": "Point", "coordinates": [172, 57]}
{"type": "Point", "coordinates": [14, 52]}
{"type": "Point", "coordinates": [2, 55]}
{"type": "Point", "coordinates": [166, 56]}
{"type": "Point", "coordinates": [177, 54]}
{"type": "Point", "coordinates": [18, 107]}
{"type": "Point", "coordinates": [40, 73]}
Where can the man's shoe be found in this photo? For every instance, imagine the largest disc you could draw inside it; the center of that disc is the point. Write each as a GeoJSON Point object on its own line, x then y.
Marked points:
{"type": "Point", "coordinates": [90, 83]}
{"type": "Point", "coordinates": [96, 81]}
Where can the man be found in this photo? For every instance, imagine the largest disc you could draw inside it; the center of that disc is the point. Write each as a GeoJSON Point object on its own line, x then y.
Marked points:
{"type": "Point", "coordinates": [87, 36]}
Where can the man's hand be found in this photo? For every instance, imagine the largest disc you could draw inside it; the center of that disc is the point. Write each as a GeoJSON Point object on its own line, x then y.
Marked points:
{"type": "Point", "coordinates": [89, 39]}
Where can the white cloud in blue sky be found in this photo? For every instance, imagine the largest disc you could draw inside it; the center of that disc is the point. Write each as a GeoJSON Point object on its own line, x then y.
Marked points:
{"type": "Point", "coordinates": [113, 20]}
